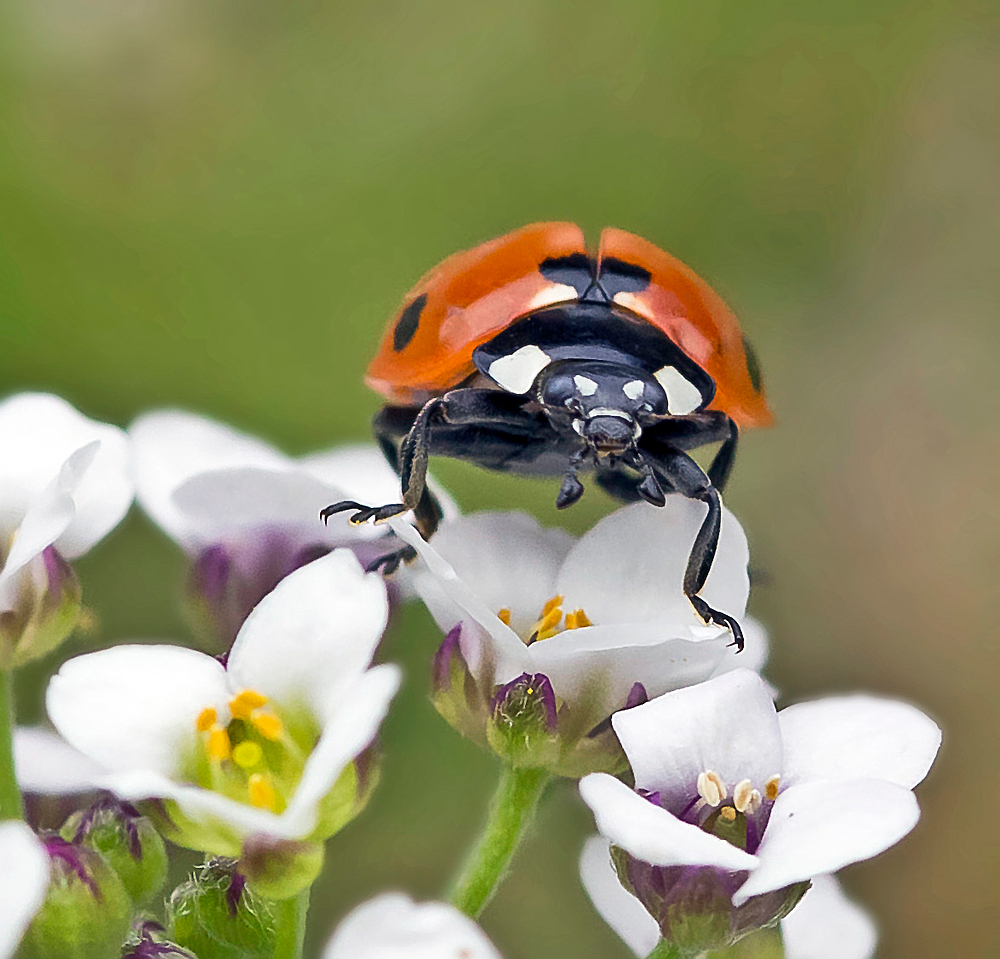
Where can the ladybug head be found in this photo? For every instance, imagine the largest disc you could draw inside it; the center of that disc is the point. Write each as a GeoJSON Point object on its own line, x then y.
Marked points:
{"type": "Point", "coordinates": [608, 404]}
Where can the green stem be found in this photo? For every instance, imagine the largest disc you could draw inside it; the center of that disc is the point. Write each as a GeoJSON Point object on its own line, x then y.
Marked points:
{"type": "Point", "coordinates": [511, 810]}
{"type": "Point", "coordinates": [290, 925]}
{"type": "Point", "coordinates": [10, 796]}
{"type": "Point", "coordinates": [665, 949]}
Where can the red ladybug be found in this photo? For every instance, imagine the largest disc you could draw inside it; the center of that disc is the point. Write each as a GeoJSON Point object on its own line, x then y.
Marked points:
{"type": "Point", "coordinates": [530, 355]}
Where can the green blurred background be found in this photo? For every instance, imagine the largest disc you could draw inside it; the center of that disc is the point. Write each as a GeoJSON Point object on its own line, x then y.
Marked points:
{"type": "Point", "coordinates": [217, 205]}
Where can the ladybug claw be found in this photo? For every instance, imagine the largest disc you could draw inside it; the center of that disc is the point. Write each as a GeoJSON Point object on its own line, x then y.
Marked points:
{"type": "Point", "coordinates": [341, 507]}
{"type": "Point", "coordinates": [363, 513]}
{"type": "Point", "coordinates": [714, 617]}
{"type": "Point", "coordinates": [390, 562]}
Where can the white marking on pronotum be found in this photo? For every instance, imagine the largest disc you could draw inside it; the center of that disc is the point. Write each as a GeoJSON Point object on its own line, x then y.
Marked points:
{"type": "Point", "coordinates": [682, 395]}
{"type": "Point", "coordinates": [634, 389]}
{"type": "Point", "coordinates": [585, 385]}
{"type": "Point", "coordinates": [517, 371]}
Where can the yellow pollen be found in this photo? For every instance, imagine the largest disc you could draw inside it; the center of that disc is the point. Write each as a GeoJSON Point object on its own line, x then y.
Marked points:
{"type": "Point", "coordinates": [206, 720]}
{"type": "Point", "coordinates": [711, 788]}
{"type": "Point", "coordinates": [218, 746]}
{"type": "Point", "coordinates": [552, 604]}
{"type": "Point", "coordinates": [261, 792]}
{"type": "Point", "coordinates": [742, 793]}
{"type": "Point", "coordinates": [244, 703]}
{"type": "Point", "coordinates": [504, 616]}
{"type": "Point", "coordinates": [771, 788]}
{"type": "Point", "coordinates": [267, 724]}
{"type": "Point", "coordinates": [728, 813]}
{"type": "Point", "coordinates": [247, 754]}
{"type": "Point", "coordinates": [577, 620]}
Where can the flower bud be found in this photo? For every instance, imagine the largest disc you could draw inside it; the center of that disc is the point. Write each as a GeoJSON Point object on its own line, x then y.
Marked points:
{"type": "Point", "coordinates": [46, 609]}
{"type": "Point", "coordinates": [280, 868]}
{"type": "Point", "coordinates": [454, 691]}
{"type": "Point", "coordinates": [127, 841]}
{"type": "Point", "coordinates": [216, 915]}
{"type": "Point", "coordinates": [149, 941]}
{"type": "Point", "coordinates": [87, 911]}
{"type": "Point", "coordinates": [523, 722]}
{"type": "Point", "coordinates": [693, 904]}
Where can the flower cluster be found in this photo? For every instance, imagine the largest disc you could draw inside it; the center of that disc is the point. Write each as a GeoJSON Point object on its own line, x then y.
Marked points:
{"type": "Point", "coordinates": [721, 818]}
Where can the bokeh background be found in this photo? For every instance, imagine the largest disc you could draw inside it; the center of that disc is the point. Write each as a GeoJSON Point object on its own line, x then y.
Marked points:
{"type": "Point", "coordinates": [217, 205]}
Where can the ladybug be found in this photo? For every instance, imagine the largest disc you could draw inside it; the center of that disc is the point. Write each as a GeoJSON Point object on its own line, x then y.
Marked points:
{"type": "Point", "coordinates": [529, 354]}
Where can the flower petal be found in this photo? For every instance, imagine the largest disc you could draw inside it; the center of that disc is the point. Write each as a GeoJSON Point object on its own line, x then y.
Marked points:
{"type": "Point", "coordinates": [24, 881]}
{"type": "Point", "coordinates": [353, 724]}
{"type": "Point", "coordinates": [820, 827]}
{"type": "Point", "coordinates": [449, 599]}
{"type": "Point", "coordinates": [858, 737]}
{"type": "Point", "coordinates": [313, 634]}
{"type": "Point", "coordinates": [171, 446]}
{"type": "Point", "coordinates": [134, 707]}
{"type": "Point", "coordinates": [600, 664]}
{"type": "Point", "coordinates": [38, 433]}
{"type": "Point", "coordinates": [49, 765]}
{"type": "Point", "coordinates": [508, 560]}
{"type": "Point", "coordinates": [392, 926]}
{"type": "Point", "coordinates": [827, 925]}
{"type": "Point", "coordinates": [615, 904]}
{"type": "Point", "coordinates": [652, 834]}
{"type": "Point", "coordinates": [631, 565]}
{"type": "Point", "coordinates": [727, 725]}
{"type": "Point", "coordinates": [47, 518]}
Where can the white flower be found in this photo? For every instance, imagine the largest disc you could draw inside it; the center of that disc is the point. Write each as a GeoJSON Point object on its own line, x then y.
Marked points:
{"type": "Point", "coordinates": [824, 925]}
{"type": "Point", "coordinates": [392, 926]}
{"type": "Point", "coordinates": [261, 747]}
{"type": "Point", "coordinates": [24, 879]}
{"type": "Point", "coordinates": [594, 616]}
{"type": "Point", "coordinates": [766, 799]}
{"type": "Point", "coordinates": [248, 514]}
{"type": "Point", "coordinates": [64, 484]}
{"type": "Point", "coordinates": [49, 766]}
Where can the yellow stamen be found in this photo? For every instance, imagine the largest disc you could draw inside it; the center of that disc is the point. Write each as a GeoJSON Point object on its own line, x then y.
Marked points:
{"type": "Point", "coordinates": [504, 616]}
{"type": "Point", "coordinates": [577, 620]}
{"type": "Point", "coordinates": [247, 754]}
{"type": "Point", "coordinates": [742, 793]}
{"type": "Point", "coordinates": [206, 719]}
{"type": "Point", "coordinates": [549, 621]}
{"type": "Point", "coordinates": [218, 746]}
{"type": "Point", "coordinates": [267, 724]}
{"type": "Point", "coordinates": [711, 788]}
{"type": "Point", "coordinates": [261, 792]}
{"type": "Point", "coordinates": [551, 605]}
{"type": "Point", "coordinates": [728, 813]}
{"type": "Point", "coordinates": [244, 703]}
{"type": "Point", "coordinates": [771, 787]}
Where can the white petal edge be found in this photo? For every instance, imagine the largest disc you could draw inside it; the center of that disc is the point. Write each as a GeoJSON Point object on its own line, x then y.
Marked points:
{"type": "Point", "coordinates": [858, 737]}
{"type": "Point", "coordinates": [820, 827]}
{"type": "Point", "coordinates": [171, 446]}
{"type": "Point", "coordinates": [392, 926]}
{"type": "Point", "coordinates": [48, 765]}
{"type": "Point", "coordinates": [650, 833]}
{"type": "Point", "coordinates": [313, 635]}
{"type": "Point", "coordinates": [135, 707]}
{"type": "Point", "coordinates": [827, 925]}
{"type": "Point", "coordinates": [24, 880]}
{"type": "Point", "coordinates": [613, 902]}
{"type": "Point", "coordinates": [726, 725]}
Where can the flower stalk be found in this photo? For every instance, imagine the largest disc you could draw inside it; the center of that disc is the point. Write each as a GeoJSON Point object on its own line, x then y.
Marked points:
{"type": "Point", "coordinates": [511, 812]}
{"type": "Point", "coordinates": [290, 925]}
{"type": "Point", "coordinates": [10, 796]}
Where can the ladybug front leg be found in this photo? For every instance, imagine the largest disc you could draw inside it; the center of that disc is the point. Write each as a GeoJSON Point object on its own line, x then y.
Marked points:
{"type": "Point", "coordinates": [682, 473]}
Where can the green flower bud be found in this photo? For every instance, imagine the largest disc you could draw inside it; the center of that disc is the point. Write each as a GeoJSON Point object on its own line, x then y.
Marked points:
{"type": "Point", "coordinates": [280, 868]}
{"type": "Point", "coordinates": [149, 941]}
{"type": "Point", "coordinates": [216, 915]}
{"type": "Point", "coordinates": [87, 911]}
{"type": "Point", "coordinates": [47, 609]}
{"type": "Point", "coordinates": [127, 841]}
{"type": "Point", "coordinates": [524, 726]}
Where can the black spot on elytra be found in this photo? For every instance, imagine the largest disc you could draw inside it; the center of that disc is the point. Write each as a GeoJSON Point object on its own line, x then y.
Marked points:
{"type": "Point", "coordinates": [618, 276]}
{"type": "Point", "coordinates": [753, 365]}
{"type": "Point", "coordinates": [407, 323]}
{"type": "Point", "coordinates": [575, 270]}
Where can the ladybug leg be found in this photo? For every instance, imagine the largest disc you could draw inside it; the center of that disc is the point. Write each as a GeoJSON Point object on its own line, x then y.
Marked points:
{"type": "Point", "coordinates": [684, 475]}
{"type": "Point", "coordinates": [722, 465]}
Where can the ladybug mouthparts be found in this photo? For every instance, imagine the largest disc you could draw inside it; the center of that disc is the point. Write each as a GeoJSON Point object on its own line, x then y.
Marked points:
{"type": "Point", "coordinates": [610, 431]}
